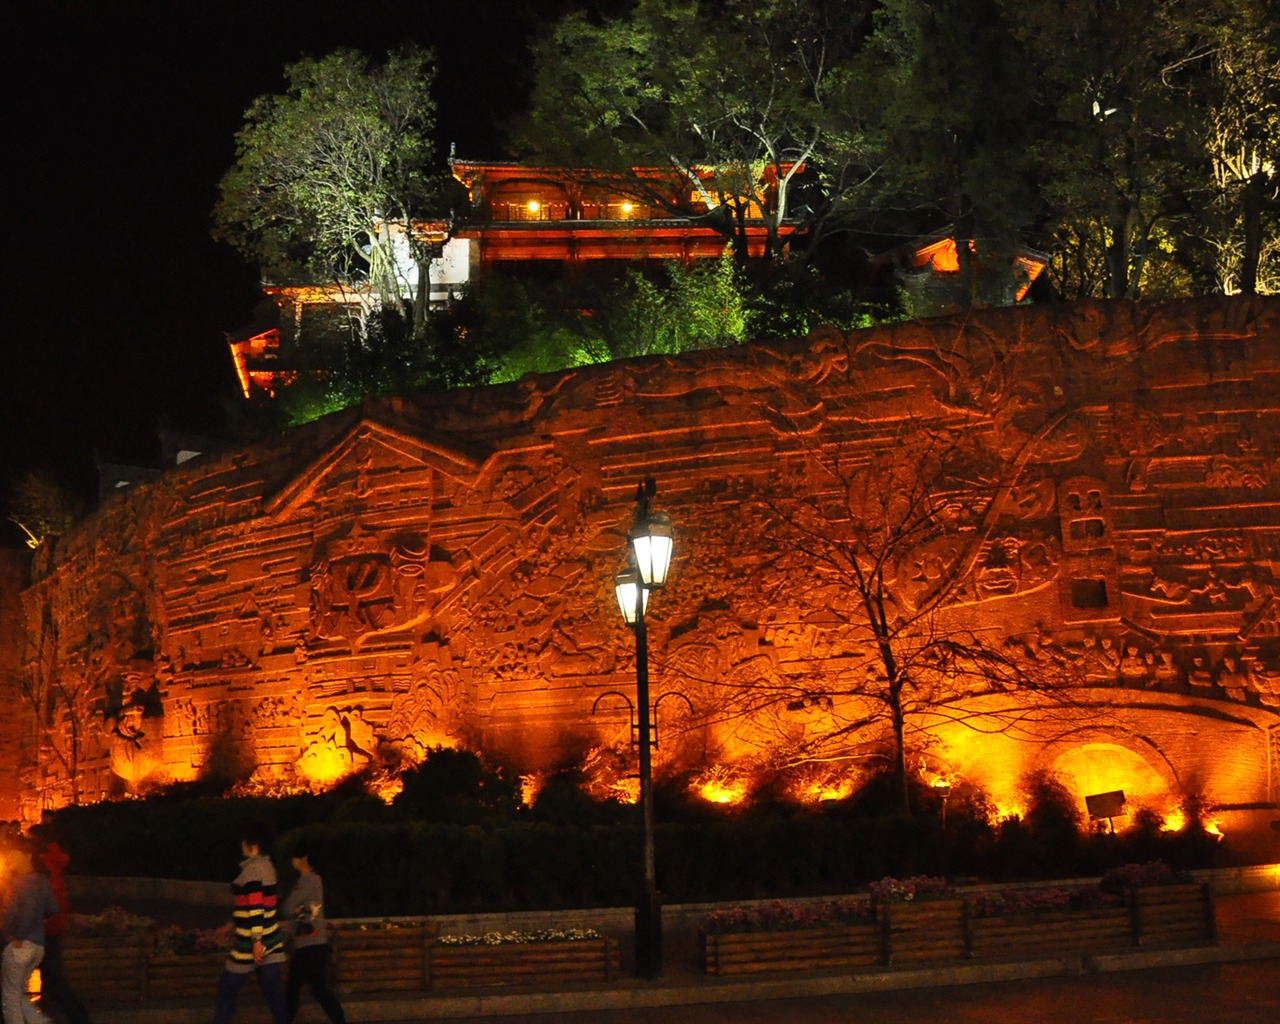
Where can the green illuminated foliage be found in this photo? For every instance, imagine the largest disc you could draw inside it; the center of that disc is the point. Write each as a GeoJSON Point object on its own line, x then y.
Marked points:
{"type": "Point", "coordinates": [41, 507]}
{"type": "Point", "coordinates": [742, 91]}
{"type": "Point", "coordinates": [346, 148]}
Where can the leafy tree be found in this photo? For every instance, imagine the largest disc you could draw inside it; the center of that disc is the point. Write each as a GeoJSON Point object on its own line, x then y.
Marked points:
{"type": "Point", "coordinates": [737, 97]}
{"type": "Point", "coordinates": [331, 175]}
{"type": "Point", "coordinates": [675, 308]}
{"type": "Point", "coordinates": [698, 306]}
{"type": "Point", "coordinates": [1242, 137]}
{"type": "Point", "coordinates": [528, 328]}
{"type": "Point", "coordinates": [955, 96]}
{"type": "Point", "coordinates": [41, 507]}
{"type": "Point", "coordinates": [1118, 150]}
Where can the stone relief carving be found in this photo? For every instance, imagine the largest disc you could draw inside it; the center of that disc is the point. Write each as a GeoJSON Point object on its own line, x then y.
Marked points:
{"type": "Point", "coordinates": [432, 711]}
{"type": "Point", "coordinates": [343, 741]}
{"type": "Point", "coordinates": [286, 571]}
{"type": "Point", "coordinates": [363, 583]}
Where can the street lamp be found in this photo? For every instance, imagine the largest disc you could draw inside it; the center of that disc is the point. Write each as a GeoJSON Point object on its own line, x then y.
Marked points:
{"type": "Point", "coordinates": [650, 548]}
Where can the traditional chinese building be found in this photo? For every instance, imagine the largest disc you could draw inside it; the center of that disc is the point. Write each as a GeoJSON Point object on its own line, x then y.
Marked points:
{"type": "Point", "coordinates": [520, 218]}
{"type": "Point", "coordinates": [437, 570]}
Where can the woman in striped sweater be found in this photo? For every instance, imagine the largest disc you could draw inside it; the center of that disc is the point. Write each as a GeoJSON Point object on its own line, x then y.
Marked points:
{"type": "Point", "coordinates": [257, 946]}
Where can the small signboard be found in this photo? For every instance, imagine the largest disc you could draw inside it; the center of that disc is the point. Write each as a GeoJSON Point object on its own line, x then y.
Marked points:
{"type": "Point", "coordinates": [1105, 805]}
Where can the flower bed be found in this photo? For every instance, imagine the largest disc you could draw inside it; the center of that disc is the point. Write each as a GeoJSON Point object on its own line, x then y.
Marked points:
{"type": "Point", "coordinates": [112, 968]}
{"type": "Point", "coordinates": [1175, 915]}
{"type": "Point", "coordinates": [923, 919]}
{"type": "Point", "coordinates": [185, 963]}
{"type": "Point", "coordinates": [381, 956]}
{"type": "Point", "coordinates": [106, 954]}
{"type": "Point", "coordinates": [520, 958]}
{"type": "Point", "coordinates": [901, 921]}
{"type": "Point", "coordinates": [846, 945]}
{"type": "Point", "coordinates": [925, 931]}
{"type": "Point", "coordinates": [1049, 920]}
{"type": "Point", "coordinates": [184, 976]}
{"type": "Point", "coordinates": [772, 936]}
{"type": "Point", "coordinates": [1169, 907]}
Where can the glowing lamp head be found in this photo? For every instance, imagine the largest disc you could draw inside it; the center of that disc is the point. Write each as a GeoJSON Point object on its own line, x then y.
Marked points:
{"type": "Point", "coordinates": [627, 208]}
{"type": "Point", "coordinates": [652, 545]}
{"type": "Point", "coordinates": [534, 206]}
{"type": "Point", "coordinates": [633, 597]}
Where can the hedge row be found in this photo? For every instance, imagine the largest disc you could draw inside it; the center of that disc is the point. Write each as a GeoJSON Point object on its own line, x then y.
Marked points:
{"type": "Point", "coordinates": [386, 866]}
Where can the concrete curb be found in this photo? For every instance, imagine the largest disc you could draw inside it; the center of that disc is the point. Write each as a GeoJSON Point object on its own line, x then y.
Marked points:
{"type": "Point", "coordinates": [630, 994]}
{"type": "Point", "coordinates": [1182, 957]}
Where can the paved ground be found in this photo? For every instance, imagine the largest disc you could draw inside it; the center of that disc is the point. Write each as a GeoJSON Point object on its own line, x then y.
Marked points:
{"type": "Point", "coordinates": [1238, 993]}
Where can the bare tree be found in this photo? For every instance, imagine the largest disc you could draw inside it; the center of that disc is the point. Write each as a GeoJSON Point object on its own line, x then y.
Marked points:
{"type": "Point", "coordinates": [884, 552]}
{"type": "Point", "coordinates": [60, 699]}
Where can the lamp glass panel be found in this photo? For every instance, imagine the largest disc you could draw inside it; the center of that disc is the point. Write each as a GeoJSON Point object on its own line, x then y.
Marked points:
{"type": "Point", "coordinates": [627, 588]}
{"type": "Point", "coordinates": [653, 547]}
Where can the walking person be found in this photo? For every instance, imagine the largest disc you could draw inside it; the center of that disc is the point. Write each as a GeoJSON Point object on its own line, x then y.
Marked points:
{"type": "Point", "coordinates": [311, 955]}
{"type": "Point", "coordinates": [53, 982]}
{"type": "Point", "coordinates": [30, 902]}
{"type": "Point", "coordinates": [257, 944]}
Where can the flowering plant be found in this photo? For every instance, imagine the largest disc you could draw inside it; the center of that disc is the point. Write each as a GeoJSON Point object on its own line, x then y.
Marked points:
{"type": "Point", "coordinates": [520, 937]}
{"type": "Point", "coordinates": [112, 921]}
{"type": "Point", "coordinates": [1135, 876]}
{"type": "Point", "coordinates": [780, 916]}
{"type": "Point", "coordinates": [1041, 900]}
{"type": "Point", "coordinates": [921, 887]}
{"type": "Point", "coordinates": [175, 940]}
{"type": "Point", "coordinates": [385, 924]}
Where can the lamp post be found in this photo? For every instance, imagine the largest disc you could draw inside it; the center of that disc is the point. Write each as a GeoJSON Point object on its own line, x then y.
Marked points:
{"type": "Point", "coordinates": [943, 789]}
{"type": "Point", "coordinates": [649, 548]}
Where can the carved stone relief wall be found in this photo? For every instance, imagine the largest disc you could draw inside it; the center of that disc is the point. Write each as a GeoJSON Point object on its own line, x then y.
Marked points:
{"type": "Point", "coordinates": [437, 570]}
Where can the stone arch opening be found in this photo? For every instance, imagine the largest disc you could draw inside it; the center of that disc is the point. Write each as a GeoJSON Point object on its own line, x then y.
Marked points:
{"type": "Point", "coordinates": [1101, 763]}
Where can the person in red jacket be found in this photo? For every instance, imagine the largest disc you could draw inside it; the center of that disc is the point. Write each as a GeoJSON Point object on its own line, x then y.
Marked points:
{"type": "Point", "coordinates": [53, 982]}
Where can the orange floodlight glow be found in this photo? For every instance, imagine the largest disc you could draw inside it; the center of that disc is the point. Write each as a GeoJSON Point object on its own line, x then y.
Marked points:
{"type": "Point", "coordinates": [626, 791]}
{"type": "Point", "coordinates": [387, 789]}
{"type": "Point", "coordinates": [324, 767]}
{"type": "Point", "coordinates": [1005, 811]}
{"type": "Point", "coordinates": [530, 786]}
{"type": "Point", "coordinates": [721, 785]}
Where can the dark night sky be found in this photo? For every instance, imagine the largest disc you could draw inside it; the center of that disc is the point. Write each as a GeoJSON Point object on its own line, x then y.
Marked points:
{"type": "Point", "coordinates": [121, 116]}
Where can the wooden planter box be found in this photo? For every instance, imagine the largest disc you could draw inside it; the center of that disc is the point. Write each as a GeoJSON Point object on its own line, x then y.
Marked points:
{"type": "Point", "coordinates": [1174, 915]}
{"type": "Point", "coordinates": [922, 932]}
{"type": "Point", "coordinates": [186, 976]}
{"type": "Point", "coordinates": [521, 963]}
{"type": "Point", "coordinates": [381, 959]}
{"type": "Point", "coordinates": [1062, 931]}
{"type": "Point", "coordinates": [841, 945]}
{"type": "Point", "coordinates": [109, 968]}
